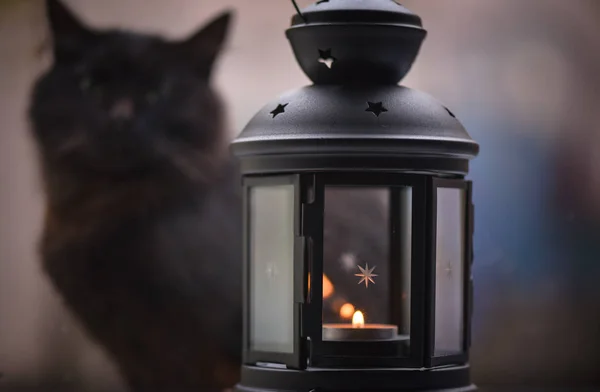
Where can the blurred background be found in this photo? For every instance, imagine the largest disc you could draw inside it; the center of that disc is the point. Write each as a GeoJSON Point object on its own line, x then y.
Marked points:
{"type": "Point", "coordinates": [523, 77]}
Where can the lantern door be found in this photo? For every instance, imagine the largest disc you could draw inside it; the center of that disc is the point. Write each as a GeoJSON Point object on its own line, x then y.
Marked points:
{"type": "Point", "coordinates": [450, 293]}
{"type": "Point", "coordinates": [273, 271]}
{"type": "Point", "coordinates": [367, 269]}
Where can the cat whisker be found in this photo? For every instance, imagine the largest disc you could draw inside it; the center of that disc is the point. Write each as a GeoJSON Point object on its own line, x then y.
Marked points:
{"type": "Point", "coordinates": [72, 143]}
{"type": "Point", "coordinates": [196, 166]}
{"type": "Point", "coordinates": [188, 168]}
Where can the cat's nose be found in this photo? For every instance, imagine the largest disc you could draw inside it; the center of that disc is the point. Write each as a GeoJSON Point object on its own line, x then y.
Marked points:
{"type": "Point", "coordinates": [122, 109]}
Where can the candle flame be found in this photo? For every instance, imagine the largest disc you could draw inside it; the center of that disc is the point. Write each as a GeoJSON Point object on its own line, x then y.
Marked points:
{"type": "Point", "coordinates": [358, 320]}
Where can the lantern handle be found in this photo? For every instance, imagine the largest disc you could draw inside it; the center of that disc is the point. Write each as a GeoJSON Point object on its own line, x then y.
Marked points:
{"type": "Point", "coordinates": [298, 11]}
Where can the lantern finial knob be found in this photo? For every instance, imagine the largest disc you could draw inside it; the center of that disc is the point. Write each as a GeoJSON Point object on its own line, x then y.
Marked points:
{"type": "Point", "coordinates": [356, 41]}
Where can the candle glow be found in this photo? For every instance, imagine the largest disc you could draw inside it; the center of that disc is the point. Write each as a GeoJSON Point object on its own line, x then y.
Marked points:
{"type": "Point", "coordinates": [358, 320]}
{"type": "Point", "coordinates": [347, 311]}
{"type": "Point", "coordinates": [328, 288]}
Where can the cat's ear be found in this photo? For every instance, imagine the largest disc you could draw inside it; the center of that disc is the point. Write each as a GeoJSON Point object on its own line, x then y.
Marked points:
{"type": "Point", "coordinates": [203, 47]}
{"type": "Point", "coordinates": [69, 35]}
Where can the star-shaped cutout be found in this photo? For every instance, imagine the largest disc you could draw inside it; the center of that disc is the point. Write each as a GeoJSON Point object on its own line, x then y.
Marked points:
{"type": "Point", "coordinates": [449, 112]}
{"type": "Point", "coordinates": [366, 275]}
{"type": "Point", "coordinates": [278, 110]}
{"type": "Point", "coordinates": [376, 108]}
{"type": "Point", "coordinates": [326, 58]}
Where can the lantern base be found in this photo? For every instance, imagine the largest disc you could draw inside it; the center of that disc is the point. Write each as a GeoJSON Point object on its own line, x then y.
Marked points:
{"type": "Point", "coordinates": [470, 388]}
{"type": "Point", "coordinates": [446, 379]}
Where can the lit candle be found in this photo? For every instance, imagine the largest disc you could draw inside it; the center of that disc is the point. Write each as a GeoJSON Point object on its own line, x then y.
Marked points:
{"type": "Point", "coordinates": [358, 320]}
{"type": "Point", "coordinates": [359, 330]}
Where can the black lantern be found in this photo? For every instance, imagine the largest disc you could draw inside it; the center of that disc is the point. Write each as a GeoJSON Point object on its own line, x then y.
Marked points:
{"type": "Point", "coordinates": [356, 130]}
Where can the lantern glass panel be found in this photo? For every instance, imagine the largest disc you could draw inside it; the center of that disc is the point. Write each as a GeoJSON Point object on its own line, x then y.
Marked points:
{"type": "Point", "coordinates": [271, 241]}
{"type": "Point", "coordinates": [367, 258]}
{"type": "Point", "coordinates": [404, 255]}
{"type": "Point", "coordinates": [449, 279]}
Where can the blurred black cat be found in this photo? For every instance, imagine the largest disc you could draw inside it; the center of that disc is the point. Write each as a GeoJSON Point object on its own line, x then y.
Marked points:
{"type": "Point", "coordinates": [142, 234]}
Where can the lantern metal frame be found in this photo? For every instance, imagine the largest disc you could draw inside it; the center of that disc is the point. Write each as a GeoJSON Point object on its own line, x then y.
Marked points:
{"type": "Point", "coordinates": [323, 136]}
{"type": "Point", "coordinates": [309, 208]}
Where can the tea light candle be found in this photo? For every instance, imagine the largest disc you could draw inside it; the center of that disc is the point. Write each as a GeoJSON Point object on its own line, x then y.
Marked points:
{"type": "Point", "coordinates": [358, 330]}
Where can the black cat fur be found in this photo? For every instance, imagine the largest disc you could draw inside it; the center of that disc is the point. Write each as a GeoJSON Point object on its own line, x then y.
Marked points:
{"type": "Point", "coordinates": [142, 234]}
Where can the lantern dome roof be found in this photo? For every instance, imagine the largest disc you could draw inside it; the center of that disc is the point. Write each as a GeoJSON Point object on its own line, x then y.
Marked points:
{"type": "Point", "coordinates": [355, 116]}
{"type": "Point", "coordinates": [333, 121]}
